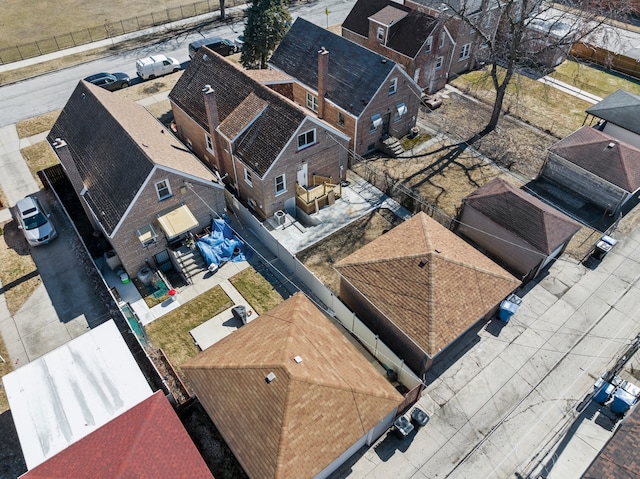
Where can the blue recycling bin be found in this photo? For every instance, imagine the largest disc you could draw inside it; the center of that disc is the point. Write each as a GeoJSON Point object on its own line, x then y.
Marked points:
{"type": "Point", "coordinates": [603, 393]}
{"type": "Point", "coordinates": [622, 401]}
{"type": "Point", "coordinates": [507, 309]}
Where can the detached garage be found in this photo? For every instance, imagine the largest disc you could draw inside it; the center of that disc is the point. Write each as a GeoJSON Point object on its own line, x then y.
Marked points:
{"type": "Point", "coordinates": [520, 231]}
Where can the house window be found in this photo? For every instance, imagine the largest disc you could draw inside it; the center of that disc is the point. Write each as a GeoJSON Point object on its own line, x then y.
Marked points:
{"type": "Point", "coordinates": [376, 121]}
{"type": "Point", "coordinates": [147, 236]}
{"type": "Point", "coordinates": [441, 40]}
{"type": "Point", "coordinates": [281, 185]}
{"type": "Point", "coordinates": [393, 86]}
{"type": "Point", "coordinates": [439, 62]}
{"type": "Point", "coordinates": [465, 51]}
{"type": "Point", "coordinates": [416, 75]}
{"type": "Point", "coordinates": [380, 35]}
{"type": "Point", "coordinates": [189, 144]}
{"type": "Point", "coordinates": [340, 119]}
{"type": "Point", "coordinates": [427, 48]}
{"type": "Point", "coordinates": [247, 176]}
{"type": "Point", "coordinates": [312, 103]}
{"type": "Point", "coordinates": [371, 147]}
{"type": "Point", "coordinates": [209, 141]}
{"type": "Point", "coordinates": [401, 110]}
{"type": "Point", "coordinates": [163, 189]}
{"type": "Point", "coordinates": [308, 138]}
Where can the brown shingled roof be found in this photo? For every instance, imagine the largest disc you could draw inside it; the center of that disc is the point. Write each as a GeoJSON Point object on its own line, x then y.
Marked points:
{"type": "Point", "coordinates": [427, 281]}
{"type": "Point", "coordinates": [312, 412]}
{"type": "Point", "coordinates": [540, 225]}
{"type": "Point", "coordinates": [146, 442]}
{"type": "Point", "coordinates": [612, 160]}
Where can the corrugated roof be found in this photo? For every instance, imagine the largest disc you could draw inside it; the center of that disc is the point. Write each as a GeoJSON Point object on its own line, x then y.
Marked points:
{"type": "Point", "coordinates": [427, 281]}
{"type": "Point", "coordinates": [146, 442]}
{"type": "Point", "coordinates": [604, 156]}
{"type": "Point", "coordinates": [355, 73]}
{"type": "Point", "coordinates": [540, 225]}
{"type": "Point", "coordinates": [110, 139]}
{"type": "Point", "coordinates": [409, 30]}
{"type": "Point", "coordinates": [72, 391]}
{"type": "Point", "coordinates": [263, 142]}
{"type": "Point", "coordinates": [620, 108]}
{"type": "Point", "coordinates": [311, 412]}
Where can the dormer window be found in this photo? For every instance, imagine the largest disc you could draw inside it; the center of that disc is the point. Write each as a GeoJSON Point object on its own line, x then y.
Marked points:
{"type": "Point", "coordinates": [312, 103]}
{"type": "Point", "coordinates": [380, 35]}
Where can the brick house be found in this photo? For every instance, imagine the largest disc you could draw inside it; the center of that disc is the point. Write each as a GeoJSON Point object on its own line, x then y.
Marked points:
{"type": "Point", "coordinates": [291, 395]}
{"type": "Point", "coordinates": [409, 37]}
{"type": "Point", "coordinates": [419, 287]}
{"type": "Point", "coordinates": [357, 91]}
{"type": "Point", "coordinates": [261, 144]}
{"type": "Point", "coordinates": [469, 45]}
{"type": "Point", "coordinates": [138, 184]}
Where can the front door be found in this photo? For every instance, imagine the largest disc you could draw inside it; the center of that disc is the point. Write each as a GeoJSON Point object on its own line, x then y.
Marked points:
{"type": "Point", "coordinates": [385, 124]}
{"type": "Point", "coordinates": [302, 175]}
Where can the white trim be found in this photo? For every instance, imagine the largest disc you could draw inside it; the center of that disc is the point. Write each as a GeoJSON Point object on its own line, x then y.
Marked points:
{"type": "Point", "coordinates": [462, 57]}
{"type": "Point", "coordinates": [439, 62]}
{"type": "Point", "coordinates": [167, 186]}
{"type": "Point", "coordinates": [428, 44]}
{"type": "Point", "coordinates": [313, 100]}
{"type": "Point", "coordinates": [247, 176]}
{"type": "Point", "coordinates": [208, 140]}
{"type": "Point", "coordinates": [284, 184]}
{"type": "Point", "coordinates": [307, 145]}
{"type": "Point", "coordinates": [376, 121]}
{"type": "Point", "coordinates": [394, 82]}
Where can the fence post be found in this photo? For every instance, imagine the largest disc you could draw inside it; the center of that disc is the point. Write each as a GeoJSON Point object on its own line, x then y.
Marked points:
{"type": "Point", "coordinates": [90, 36]}
{"type": "Point", "coordinates": [38, 47]}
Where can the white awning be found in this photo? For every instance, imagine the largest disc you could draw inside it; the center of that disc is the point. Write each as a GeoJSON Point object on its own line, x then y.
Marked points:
{"type": "Point", "coordinates": [376, 120]}
{"type": "Point", "coordinates": [177, 221]}
{"type": "Point", "coordinates": [402, 109]}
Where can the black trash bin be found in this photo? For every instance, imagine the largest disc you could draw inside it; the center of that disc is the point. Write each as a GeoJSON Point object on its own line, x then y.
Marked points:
{"type": "Point", "coordinates": [419, 418]}
{"type": "Point", "coordinates": [240, 312]}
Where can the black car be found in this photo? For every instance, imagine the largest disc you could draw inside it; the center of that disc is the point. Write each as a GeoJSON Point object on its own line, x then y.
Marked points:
{"type": "Point", "coordinates": [110, 81]}
{"type": "Point", "coordinates": [219, 45]}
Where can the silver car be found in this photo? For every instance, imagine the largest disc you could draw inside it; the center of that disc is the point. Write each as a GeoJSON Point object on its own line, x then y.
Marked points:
{"type": "Point", "coordinates": [34, 221]}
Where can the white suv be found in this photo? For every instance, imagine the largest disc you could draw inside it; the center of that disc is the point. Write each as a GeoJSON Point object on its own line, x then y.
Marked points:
{"type": "Point", "coordinates": [34, 221]}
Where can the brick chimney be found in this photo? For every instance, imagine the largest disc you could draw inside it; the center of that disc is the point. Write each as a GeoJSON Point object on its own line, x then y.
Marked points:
{"type": "Point", "coordinates": [323, 75]}
{"type": "Point", "coordinates": [211, 108]}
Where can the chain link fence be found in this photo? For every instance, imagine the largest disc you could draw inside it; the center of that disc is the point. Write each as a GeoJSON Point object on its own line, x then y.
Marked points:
{"type": "Point", "coordinates": [110, 30]}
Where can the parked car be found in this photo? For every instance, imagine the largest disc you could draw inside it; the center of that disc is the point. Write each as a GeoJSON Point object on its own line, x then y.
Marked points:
{"type": "Point", "coordinates": [110, 81]}
{"type": "Point", "coordinates": [157, 65]}
{"type": "Point", "coordinates": [217, 44]}
{"type": "Point", "coordinates": [34, 221]}
{"type": "Point", "coordinates": [240, 42]}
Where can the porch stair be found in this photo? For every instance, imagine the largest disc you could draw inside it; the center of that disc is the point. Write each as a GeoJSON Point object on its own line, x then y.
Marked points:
{"type": "Point", "coordinates": [191, 262]}
{"type": "Point", "coordinates": [391, 147]}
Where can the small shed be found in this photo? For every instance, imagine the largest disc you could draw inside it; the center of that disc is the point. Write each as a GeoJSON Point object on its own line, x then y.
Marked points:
{"type": "Point", "coordinates": [515, 228]}
{"type": "Point", "coordinates": [597, 167]}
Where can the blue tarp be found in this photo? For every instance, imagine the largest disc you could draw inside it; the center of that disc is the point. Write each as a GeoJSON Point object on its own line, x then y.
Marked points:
{"type": "Point", "coordinates": [220, 245]}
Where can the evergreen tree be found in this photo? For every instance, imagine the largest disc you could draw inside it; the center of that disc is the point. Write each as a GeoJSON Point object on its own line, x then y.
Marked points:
{"type": "Point", "coordinates": [267, 23]}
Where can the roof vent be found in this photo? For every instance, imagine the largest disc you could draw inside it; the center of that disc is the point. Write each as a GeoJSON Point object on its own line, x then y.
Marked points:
{"type": "Point", "coordinates": [423, 263]}
{"type": "Point", "coordinates": [204, 57]}
{"type": "Point", "coordinates": [611, 145]}
{"type": "Point", "coordinates": [59, 143]}
{"type": "Point", "coordinates": [270, 377]}
{"type": "Point", "coordinates": [383, 60]}
{"type": "Point", "coordinates": [438, 251]}
{"type": "Point", "coordinates": [297, 359]}
{"type": "Point", "coordinates": [207, 89]}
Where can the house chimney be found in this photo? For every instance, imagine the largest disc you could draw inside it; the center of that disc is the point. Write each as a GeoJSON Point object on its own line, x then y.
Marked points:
{"type": "Point", "coordinates": [211, 107]}
{"type": "Point", "coordinates": [323, 74]}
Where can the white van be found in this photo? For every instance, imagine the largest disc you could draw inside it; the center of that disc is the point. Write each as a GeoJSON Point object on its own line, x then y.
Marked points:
{"type": "Point", "coordinates": [155, 66]}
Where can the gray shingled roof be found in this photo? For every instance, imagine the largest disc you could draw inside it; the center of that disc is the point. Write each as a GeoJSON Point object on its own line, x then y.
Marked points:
{"type": "Point", "coordinates": [620, 108]}
{"type": "Point", "coordinates": [407, 35]}
{"type": "Point", "coordinates": [604, 156]}
{"type": "Point", "coordinates": [540, 225]}
{"type": "Point", "coordinates": [114, 144]}
{"type": "Point", "coordinates": [260, 144]}
{"type": "Point", "coordinates": [355, 73]}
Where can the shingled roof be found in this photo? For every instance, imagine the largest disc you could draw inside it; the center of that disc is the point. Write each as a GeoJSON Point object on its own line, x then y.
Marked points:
{"type": "Point", "coordinates": [355, 73]}
{"type": "Point", "coordinates": [540, 225]}
{"type": "Point", "coordinates": [261, 141]}
{"type": "Point", "coordinates": [324, 397]}
{"type": "Point", "coordinates": [110, 138]}
{"type": "Point", "coordinates": [409, 29]}
{"type": "Point", "coordinates": [428, 282]}
{"type": "Point", "coordinates": [604, 156]}
{"type": "Point", "coordinates": [620, 108]}
{"type": "Point", "coordinates": [146, 442]}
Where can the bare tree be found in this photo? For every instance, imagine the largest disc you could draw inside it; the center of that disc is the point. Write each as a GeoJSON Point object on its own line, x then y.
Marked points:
{"type": "Point", "coordinates": [531, 34]}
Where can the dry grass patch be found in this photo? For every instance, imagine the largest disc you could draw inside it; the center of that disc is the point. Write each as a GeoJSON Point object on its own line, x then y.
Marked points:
{"type": "Point", "coordinates": [37, 124]}
{"type": "Point", "coordinates": [149, 88]}
{"type": "Point", "coordinates": [258, 292]}
{"type": "Point", "coordinates": [171, 331]}
{"type": "Point", "coordinates": [161, 111]}
{"type": "Point", "coordinates": [4, 203]}
{"type": "Point", "coordinates": [18, 273]}
{"type": "Point", "coordinates": [38, 157]}
{"type": "Point", "coordinates": [321, 257]}
{"type": "Point", "coordinates": [6, 367]}
{"type": "Point", "coordinates": [593, 79]}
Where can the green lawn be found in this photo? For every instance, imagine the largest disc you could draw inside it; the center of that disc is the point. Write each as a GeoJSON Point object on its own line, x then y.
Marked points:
{"type": "Point", "coordinates": [258, 292]}
{"type": "Point", "coordinates": [594, 80]}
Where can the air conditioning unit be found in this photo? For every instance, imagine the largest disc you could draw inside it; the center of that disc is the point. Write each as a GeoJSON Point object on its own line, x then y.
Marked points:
{"type": "Point", "coordinates": [280, 217]}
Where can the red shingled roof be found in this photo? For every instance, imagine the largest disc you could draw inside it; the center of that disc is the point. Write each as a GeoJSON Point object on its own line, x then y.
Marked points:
{"type": "Point", "coordinates": [146, 442]}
